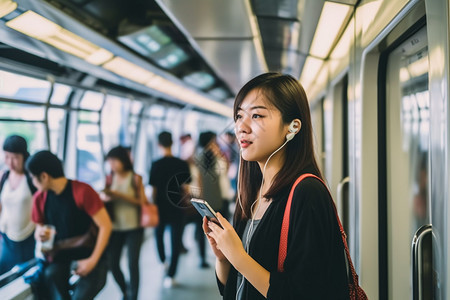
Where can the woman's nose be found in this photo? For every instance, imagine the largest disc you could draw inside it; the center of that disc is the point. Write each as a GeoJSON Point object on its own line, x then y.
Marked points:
{"type": "Point", "coordinates": [242, 125]}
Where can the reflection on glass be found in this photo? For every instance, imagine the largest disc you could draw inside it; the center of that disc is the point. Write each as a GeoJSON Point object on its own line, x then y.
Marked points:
{"type": "Point", "coordinates": [407, 146]}
{"type": "Point", "coordinates": [415, 119]}
{"type": "Point", "coordinates": [21, 87]}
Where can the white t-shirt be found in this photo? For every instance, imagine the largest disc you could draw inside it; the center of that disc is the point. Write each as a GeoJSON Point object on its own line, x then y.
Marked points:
{"type": "Point", "coordinates": [15, 218]}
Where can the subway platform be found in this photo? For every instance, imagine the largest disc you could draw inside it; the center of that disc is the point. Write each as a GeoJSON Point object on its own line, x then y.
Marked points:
{"type": "Point", "coordinates": [192, 281]}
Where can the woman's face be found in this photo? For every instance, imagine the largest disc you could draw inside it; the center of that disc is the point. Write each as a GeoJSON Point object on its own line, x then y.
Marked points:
{"type": "Point", "coordinates": [259, 127]}
{"type": "Point", "coordinates": [14, 161]}
{"type": "Point", "coordinates": [116, 165]}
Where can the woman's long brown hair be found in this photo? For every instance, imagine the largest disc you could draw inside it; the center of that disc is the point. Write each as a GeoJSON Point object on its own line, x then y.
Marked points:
{"type": "Point", "coordinates": [286, 94]}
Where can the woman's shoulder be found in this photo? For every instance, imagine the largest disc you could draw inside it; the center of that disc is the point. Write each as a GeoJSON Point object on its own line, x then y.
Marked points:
{"type": "Point", "coordinates": [312, 191]}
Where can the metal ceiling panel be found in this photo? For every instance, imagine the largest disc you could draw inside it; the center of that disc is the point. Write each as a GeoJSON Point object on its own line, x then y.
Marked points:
{"type": "Point", "coordinates": [280, 8]}
{"type": "Point", "coordinates": [235, 60]}
{"type": "Point", "coordinates": [211, 19]}
{"type": "Point", "coordinates": [222, 32]}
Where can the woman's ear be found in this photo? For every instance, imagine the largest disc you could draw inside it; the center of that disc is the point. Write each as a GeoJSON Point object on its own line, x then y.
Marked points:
{"type": "Point", "coordinates": [294, 126]}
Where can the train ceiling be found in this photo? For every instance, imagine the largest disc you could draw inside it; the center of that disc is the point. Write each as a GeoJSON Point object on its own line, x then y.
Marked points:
{"type": "Point", "coordinates": [210, 46]}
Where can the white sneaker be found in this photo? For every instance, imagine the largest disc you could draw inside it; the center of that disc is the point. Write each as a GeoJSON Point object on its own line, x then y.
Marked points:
{"type": "Point", "coordinates": [169, 282]}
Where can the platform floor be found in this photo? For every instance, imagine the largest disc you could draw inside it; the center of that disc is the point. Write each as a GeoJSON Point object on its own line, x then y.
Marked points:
{"type": "Point", "coordinates": [193, 282]}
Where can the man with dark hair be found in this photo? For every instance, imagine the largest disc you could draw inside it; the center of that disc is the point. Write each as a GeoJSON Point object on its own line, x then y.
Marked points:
{"type": "Point", "coordinates": [165, 139]}
{"type": "Point", "coordinates": [72, 207]}
{"type": "Point", "coordinates": [168, 177]}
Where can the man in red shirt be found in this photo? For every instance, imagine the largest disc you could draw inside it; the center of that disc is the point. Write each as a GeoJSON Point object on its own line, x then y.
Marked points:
{"type": "Point", "coordinates": [72, 207]}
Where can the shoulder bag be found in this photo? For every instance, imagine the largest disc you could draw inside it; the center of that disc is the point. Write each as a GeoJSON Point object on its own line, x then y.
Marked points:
{"type": "Point", "coordinates": [355, 291]}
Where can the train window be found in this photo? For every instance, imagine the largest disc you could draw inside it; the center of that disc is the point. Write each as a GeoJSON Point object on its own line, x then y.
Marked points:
{"type": "Point", "coordinates": [89, 152]}
{"type": "Point", "coordinates": [14, 86]}
{"type": "Point", "coordinates": [136, 107]}
{"type": "Point", "coordinates": [114, 122]}
{"type": "Point", "coordinates": [157, 111]}
{"type": "Point", "coordinates": [92, 100]}
{"type": "Point", "coordinates": [60, 94]}
{"type": "Point", "coordinates": [16, 111]}
{"type": "Point", "coordinates": [56, 118]}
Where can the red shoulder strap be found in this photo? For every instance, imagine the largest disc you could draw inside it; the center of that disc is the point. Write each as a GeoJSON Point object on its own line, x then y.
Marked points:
{"type": "Point", "coordinates": [282, 251]}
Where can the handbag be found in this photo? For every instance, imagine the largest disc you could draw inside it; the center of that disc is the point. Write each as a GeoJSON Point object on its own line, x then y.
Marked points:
{"type": "Point", "coordinates": [149, 215]}
{"type": "Point", "coordinates": [355, 291]}
{"type": "Point", "coordinates": [77, 246]}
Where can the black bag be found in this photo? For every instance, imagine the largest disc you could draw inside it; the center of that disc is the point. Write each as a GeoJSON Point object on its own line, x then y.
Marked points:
{"type": "Point", "coordinates": [74, 248]}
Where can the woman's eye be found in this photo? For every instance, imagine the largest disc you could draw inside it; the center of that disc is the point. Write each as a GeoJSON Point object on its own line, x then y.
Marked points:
{"type": "Point", "coordinates": [256, 116]}
{"type": "Point", "coordinates": [238, 117]}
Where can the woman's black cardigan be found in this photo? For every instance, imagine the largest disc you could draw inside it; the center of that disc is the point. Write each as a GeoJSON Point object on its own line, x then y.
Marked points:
{"type": "Point", "coordinates": [315, 265]}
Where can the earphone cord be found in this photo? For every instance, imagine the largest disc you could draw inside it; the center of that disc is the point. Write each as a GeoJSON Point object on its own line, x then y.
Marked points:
{"type": "Point", "coordinates": [250, 230]}
{"type": "Point", "coordinates": [260, 189]}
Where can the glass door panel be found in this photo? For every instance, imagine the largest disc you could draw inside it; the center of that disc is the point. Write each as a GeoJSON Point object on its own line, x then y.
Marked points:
{"type": "Point", "coordinates": [407, 149]}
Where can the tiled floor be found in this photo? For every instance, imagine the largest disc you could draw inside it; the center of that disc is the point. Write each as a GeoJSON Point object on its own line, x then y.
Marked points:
{"type": "Point", "coordinates": [193, 282]}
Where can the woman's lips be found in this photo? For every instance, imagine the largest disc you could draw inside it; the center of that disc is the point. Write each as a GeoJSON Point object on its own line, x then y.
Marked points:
{"type": "Point", "coordinates": [245, 143]}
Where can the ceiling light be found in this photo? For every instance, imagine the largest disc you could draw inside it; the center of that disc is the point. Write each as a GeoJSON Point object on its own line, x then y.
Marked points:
{"type": "Point", "coordinates": [330, 23]}
{"type": "Point", "coordinates": [128, 70]}
{"type": "Point", "coordinates": [368, 12]}
{"type": "Point", "coordinates": [201, 80]}
{"type": "Point", "coordinates": [170, 56]}
{"type": "Point", "coordinates": [219, 93]}
{"type": "Point", "coordinates": [310, 71]}
{"type": "Point", "coordinates": [146, 41]}
{"type": "Point", "coordinates": [189, 96]}
{"type": "Point", "coordinates": [38, 27]}
{"type": "Point", "coordinates": [7, 7]}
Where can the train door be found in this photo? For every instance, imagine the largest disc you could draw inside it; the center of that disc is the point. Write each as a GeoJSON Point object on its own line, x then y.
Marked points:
{"type": "Point", "coordinates": [407, 160]}
{"type": "Point", "coordinates": [335, 139]}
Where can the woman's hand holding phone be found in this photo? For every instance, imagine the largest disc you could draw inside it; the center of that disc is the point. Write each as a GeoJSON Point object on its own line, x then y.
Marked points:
{"type": "Point", "coordinates": [224, 238]}
{"type": "Point", "coordinates": [212, 242]}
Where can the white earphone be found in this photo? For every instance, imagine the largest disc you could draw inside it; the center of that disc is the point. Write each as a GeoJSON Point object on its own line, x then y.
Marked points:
{"type": "Point", "coordinates": [293, 127]}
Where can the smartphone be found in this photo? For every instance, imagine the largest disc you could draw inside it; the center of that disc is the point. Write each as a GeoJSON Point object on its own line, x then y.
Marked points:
{"type": "Point", "coordinates": [205, 210]}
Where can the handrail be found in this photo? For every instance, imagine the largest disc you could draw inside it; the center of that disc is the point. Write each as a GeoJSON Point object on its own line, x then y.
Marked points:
{"type": "Point", "coordinates": [420, 257]}
{"type": "Point", "coordinates": [340, 198]}
{"type": "Point", "coordinates": [16, 272]}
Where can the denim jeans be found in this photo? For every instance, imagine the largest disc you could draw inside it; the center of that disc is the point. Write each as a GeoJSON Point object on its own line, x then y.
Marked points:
{"type": "Point", "coordinates": [132, 239]}
{"type": "Point", "coordinates": [57, 281]}
{"type": "Point", "coordinates": [13, 253]}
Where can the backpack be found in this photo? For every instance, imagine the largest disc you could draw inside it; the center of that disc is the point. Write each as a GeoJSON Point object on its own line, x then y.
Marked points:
{"type": "Point", "coordinates": [5, 175]}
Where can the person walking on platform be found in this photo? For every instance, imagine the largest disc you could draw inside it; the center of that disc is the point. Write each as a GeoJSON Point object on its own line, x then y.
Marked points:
{"type": "Point", "coordinates": [169, 177]}
{"type": "Point", "coordinates": [273, 126]}
{"type": "Point", "coordinates": [213, 182]}
{"type": "Point", "coordinates": [16, 191]}
{"type": "Point", "coordinates": [124, 192]}
{"type": "Point", "coordinates": [80, 227]}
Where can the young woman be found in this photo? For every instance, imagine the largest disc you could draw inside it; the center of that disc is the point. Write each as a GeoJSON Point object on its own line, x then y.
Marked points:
{"type": "Point", "coordinates": [273, 127]}
{"type": "Point", "coordinates": [16, 192]}
{"type": "Point", "coordinates": [126, 191]}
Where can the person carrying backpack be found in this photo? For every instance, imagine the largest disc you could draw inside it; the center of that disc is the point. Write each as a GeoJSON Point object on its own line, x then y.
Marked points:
{"type": "Point", "coordinates": [16, 191]}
